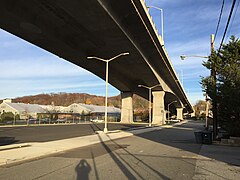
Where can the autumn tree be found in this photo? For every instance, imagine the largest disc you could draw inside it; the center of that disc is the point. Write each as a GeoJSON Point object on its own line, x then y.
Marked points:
{"type": "Point", "coordinates": [200, 109]}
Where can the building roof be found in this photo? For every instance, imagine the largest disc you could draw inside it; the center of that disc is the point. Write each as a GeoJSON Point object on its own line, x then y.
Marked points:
{"type": "Point", "coordinates": [29, 108]}
{"type": "Point", "coordinates": [100, 109]}
{"type": "Point", "coordinates": [35, 108]}
{"type": "Point", "coordinates": [51, 108]}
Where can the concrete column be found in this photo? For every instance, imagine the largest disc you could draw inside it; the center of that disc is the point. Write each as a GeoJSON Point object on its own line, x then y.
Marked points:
{"type": "Point", "coordinates": [159, 114]}
{"type": "Point", "coordinates": [180, 113]}
{"type": "Point", "coordinates": [127, 107]}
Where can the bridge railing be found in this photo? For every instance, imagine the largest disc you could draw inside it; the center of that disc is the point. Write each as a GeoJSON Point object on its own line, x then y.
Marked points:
{"type": "Point", "coordinates": [147, 10]}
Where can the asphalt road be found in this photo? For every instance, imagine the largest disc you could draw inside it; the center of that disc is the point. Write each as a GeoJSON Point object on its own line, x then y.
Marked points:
{"type": "Point", "coordinates": [163, 154]}
{"type": "Point", "coordinates": [23, 134]}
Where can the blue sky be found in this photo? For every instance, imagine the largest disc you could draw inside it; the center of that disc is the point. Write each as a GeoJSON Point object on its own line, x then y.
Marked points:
{"type": "Point", "coordinates": [27, 70]}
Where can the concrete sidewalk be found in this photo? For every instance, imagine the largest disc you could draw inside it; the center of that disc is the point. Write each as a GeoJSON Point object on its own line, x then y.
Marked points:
{"type": "Point", "coordinates": [218, 162]}
{"type": "Point", "coordinates": [212, 162]}
{"type": "Point", "coordinates": [32, 150]}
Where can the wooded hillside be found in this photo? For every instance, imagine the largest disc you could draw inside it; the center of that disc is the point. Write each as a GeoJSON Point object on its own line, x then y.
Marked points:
{"type": "Point", "coordinates": [65, 99]}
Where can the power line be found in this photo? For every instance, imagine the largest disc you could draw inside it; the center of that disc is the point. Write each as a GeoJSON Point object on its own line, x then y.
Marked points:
{"type": "Point", "coordinates": [229, 18]}
{"type": "Point", "coordinates": [219, 19]}
{"type": "Point", "coordinates": [232, 20]}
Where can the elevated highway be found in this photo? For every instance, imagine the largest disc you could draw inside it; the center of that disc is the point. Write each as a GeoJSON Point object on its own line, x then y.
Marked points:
{"type": "Point", "coordinates": [76, 29]}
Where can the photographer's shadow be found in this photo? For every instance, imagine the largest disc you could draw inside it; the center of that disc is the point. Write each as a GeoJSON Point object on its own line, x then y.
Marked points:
{"type": "Point", "coordinates": [83, 169]}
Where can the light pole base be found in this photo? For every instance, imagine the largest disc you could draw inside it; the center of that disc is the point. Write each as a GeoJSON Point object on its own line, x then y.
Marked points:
{"type": "Point", "coordinates": [105, 130]}
{"type": "Point", "coordinates": [150, 125]}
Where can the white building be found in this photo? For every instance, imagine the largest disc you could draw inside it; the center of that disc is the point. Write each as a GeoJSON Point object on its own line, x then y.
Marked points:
{"type": "Point", "coordinates": [76, 108]}
{"type": "Point", "coordinates": [25, 111]}
{"type": "Point", "coordinates": [90, 109]}
{"type": "Point", "coordinates": [52, 108]}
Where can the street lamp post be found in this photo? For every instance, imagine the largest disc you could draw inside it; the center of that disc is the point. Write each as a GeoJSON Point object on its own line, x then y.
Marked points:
{"type": "Point", "coordinates": [72, 116]}
{"type": "Point", "coordinates": [206, 117]}
{"type": "Point", "coordinates": [150, 100]}
{"type": "Point", "coordinates": [161, 11]}
{"type": "Point", "coordinates": [168, 109]}
{"type": "Point", "coordinates": [14, 123]}
{"type": "Point", "coordinates": [71, 111]}
{"type": "Point", "coordinates": [213, 77]}
{"type": "Point", "coordinates": [107, 61]}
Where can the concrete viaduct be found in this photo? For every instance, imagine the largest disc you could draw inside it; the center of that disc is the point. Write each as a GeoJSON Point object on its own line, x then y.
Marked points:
{"type": "Point", "coordinates": [76, 29]}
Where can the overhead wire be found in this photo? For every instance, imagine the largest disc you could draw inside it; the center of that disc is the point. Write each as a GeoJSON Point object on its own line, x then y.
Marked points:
{"type": "Point", "coordinates": [219, 19]}
{"type": "Point", "coordinates": [226, 28]}
{"type": "Point", "coordinates": [232, 20]}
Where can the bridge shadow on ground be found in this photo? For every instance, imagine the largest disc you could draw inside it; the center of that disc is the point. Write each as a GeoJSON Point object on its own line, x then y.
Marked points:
{"type": "Point", "coordinates": [116, 126]}
{"type": "Point", "coordinates": [183, 138]}
{"type": "Point", "coordinates": [117, 160]}
{"type": "Point", "coordinates": [179, 137]}
{"type": "Point", "coordinates": [123, 155]}
{"type": "Point", "coordinates": [88, 155]}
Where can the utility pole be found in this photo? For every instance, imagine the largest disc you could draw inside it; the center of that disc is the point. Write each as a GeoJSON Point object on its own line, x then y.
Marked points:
{"type": "Point", "coordinates": [214, 98]}
{"type": "Point", "coordinates": [207, 113]}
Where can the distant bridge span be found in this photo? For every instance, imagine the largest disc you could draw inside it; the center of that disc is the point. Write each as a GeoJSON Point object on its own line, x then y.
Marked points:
{"type": "Point", "coordinates": [76, 29]}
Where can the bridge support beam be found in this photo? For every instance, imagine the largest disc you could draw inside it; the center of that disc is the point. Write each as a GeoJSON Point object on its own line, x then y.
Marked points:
{"type": "Point", "coordinates": [159, 114]}
{"type": "Point", "coordinates": [180, 114]}
{"type": "Point", "coordinates": [127, 107]}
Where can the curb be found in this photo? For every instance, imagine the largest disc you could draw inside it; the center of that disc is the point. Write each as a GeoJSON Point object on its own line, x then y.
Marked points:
{"type": "Point", "coordinates": [17, 153]}
{"type": "Point", "coordinates": [14, 146]}
{"type": "Point", "coordinates": [131, 130]}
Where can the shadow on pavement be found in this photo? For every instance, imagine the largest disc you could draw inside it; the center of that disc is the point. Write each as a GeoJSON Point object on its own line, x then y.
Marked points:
{"type": "Point", "coordinates": [95, 166]}
{"type": "Point", "coordinates": [25, 134]}
{"type": "Point", "coordinates": [125, 165]}
{"type": "Point", "coordinates": [182, 137]}
{"type": "Point", "coordinates": [118, 162]}
{"type": "Point", "coordinates": [111, 148]}
{"type": "Point", "coordinates": [7, 140]}
{"type": "Point", "coordinates": [83, 169]}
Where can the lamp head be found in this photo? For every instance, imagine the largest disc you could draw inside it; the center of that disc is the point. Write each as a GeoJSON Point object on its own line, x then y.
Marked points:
{"type": "Point", "coordinates": [126, 53]}
{"type": "Point", "coordinates": [139, 85]}
{"type": "Point", "coordinates": [182, 57]}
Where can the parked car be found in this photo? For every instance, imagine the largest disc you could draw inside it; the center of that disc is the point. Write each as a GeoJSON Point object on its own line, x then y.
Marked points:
{"type": "Point", "coordinates": [60, 121]}
{"type": "Point", "coordinates": [44, 121]}
{"type": "Point", "coordinates": [97, 120]}
{"type": "Point", "coordinates": [33, 121]}
{"type": "Point", "coordinates": [9, 122]}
